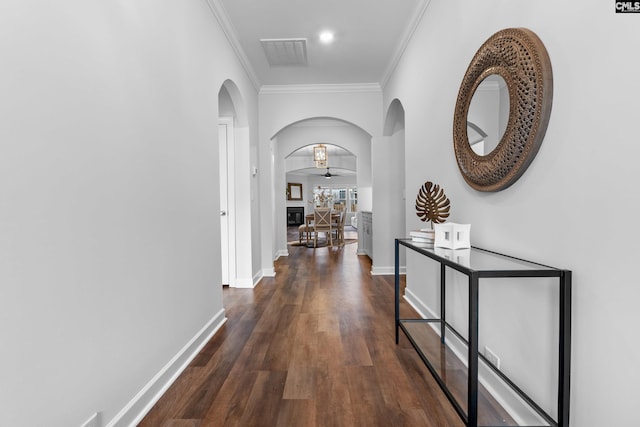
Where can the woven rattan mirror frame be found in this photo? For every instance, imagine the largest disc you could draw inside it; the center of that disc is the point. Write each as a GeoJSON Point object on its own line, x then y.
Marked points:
{"type": "Point", "coordinates": [520, 58]}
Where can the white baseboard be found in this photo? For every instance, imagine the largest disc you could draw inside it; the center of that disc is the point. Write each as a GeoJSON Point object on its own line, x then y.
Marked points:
{"type": "Point", "coordinates": [257, 277]}
{"type": "Point", "coordinates": [282, 253]}
{"type": "Point", "coordinates": [386, 271]}
{"type": "Point", "coordinates": [519, 410]}
{"type": "Point", "coordinates": [418, 305]}
{"type": "Point", "coordinates": [142, 403]}
{"type": "Point", "coordinates": [243, 283]}
{"type": "Point", "coordinates": [268, 272]}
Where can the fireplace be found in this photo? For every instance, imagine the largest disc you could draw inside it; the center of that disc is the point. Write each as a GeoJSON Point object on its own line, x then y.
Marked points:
{"type": "Point", "coordinates": [295, 215]}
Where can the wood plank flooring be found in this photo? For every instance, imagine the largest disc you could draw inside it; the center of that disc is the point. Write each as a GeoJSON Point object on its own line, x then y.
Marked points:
{"type": "Point", "coordinates": [313, 346]}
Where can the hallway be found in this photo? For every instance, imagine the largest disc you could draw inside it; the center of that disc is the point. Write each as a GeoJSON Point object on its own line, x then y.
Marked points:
{"type": "Point", "coordinates": [313, 346]}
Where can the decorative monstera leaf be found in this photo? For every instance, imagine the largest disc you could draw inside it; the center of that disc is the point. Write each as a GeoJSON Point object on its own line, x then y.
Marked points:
{"type": "Point", "coordinates": [432, 204]}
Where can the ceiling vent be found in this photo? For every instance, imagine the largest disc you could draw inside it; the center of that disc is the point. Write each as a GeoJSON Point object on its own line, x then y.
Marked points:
{"type": "Point", "coordinates": [285, 52]}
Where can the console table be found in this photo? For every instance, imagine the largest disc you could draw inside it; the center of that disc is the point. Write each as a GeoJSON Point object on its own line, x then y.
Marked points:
{"type": "Point", "coordinates": [477, 264]}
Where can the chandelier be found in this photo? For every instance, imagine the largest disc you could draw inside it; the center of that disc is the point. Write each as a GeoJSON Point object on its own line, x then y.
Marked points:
{"type": "Point", "coordinates": [320, 156]}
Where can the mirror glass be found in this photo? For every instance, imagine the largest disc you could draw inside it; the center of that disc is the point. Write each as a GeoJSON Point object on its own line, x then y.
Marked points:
{"type": "Point", "coordinates": [488, 114]}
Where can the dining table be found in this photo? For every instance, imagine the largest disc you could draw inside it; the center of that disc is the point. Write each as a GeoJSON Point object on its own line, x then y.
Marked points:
{"type": "Point", "coordinates": [308, 220]}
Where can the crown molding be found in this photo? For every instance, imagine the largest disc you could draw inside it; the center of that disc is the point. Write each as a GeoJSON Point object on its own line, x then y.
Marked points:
{"type": "Point", "coordinates": [321, 88]}
{"type": "Point", "coordinates": [404, 41]}
{"type": "Point", "coordinates": [218, 11]}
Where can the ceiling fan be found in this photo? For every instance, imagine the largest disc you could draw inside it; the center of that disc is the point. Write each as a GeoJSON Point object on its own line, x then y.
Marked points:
{"type": "Point", "coordinates": [328, 174]}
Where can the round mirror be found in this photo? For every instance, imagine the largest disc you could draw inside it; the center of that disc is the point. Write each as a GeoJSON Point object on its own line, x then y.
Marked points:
{"type": "Point", "coordinates": [488, 114]}
{"type": "Point", "coordinates": [516, 116]}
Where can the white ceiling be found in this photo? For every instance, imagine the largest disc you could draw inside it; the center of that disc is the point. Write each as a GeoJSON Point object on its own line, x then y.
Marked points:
{"type": "Point", "coordinates": [370, 37]}
{"type": "Point", "coordinates": [336, 155]}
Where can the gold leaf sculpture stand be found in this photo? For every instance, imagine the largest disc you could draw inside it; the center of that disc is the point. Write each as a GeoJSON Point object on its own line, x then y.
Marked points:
{"type": "Point", "coordinates": [432, 204]}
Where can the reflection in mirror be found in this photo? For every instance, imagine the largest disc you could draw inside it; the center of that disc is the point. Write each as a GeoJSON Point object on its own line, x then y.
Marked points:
{"type": "Point", "coordinates": [488, 114]}
{"type": "Point", "coordinates": [476, 138]}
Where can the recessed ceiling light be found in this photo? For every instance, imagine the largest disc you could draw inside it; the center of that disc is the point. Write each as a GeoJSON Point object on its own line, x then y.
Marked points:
{"type": "Point", "coordinates": [327, 37]}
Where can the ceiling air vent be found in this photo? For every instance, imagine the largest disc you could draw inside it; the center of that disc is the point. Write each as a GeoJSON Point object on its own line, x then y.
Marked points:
{"type": "Point", "coordinates": [285, 52]}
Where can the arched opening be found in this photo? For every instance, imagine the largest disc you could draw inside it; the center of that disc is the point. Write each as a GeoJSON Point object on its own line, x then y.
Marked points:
{"type": "Point", "coordinates": [389, 203]}
{"type": "Point", "coordinates": [292, 161]}
{"type": "Point", "coordinates": [235, 188]}
{"type": "Point", "coordinates": [394, 121]}
{"type": "Point", "coordinates": [333, 181]}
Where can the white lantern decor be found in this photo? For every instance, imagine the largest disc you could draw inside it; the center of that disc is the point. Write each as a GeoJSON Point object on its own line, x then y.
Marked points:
{"type": "Point", "coordinates": [452, 236]}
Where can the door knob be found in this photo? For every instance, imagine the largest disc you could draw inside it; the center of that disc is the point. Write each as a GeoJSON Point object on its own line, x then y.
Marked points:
{"type": "Point", "coordinates": [223, 213]}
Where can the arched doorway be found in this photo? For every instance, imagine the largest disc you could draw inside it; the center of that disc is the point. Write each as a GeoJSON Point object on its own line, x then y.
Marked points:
{"type": "Point", "coordinates": [390, 199]}
{"type": "Point", "coordinates": [235, 188]}
{"type": "Point", "coordinates": [336, 177]}
{"type": "Point", "coordinates": [310, 132]}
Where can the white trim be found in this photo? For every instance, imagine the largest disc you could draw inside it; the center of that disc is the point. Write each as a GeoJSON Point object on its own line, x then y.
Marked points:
{"type": "Point", "coordinates": [142, 403]}
{"type": "Point", "coordinates": [268, 272]}
{"type": "Point", "coordinates": [519, 410]}
{"type": "Point", "coordinates": [231, 214]}
{"type": "Point", "coordinates": [94, 421]}
{"type": "Point", "coordinates": [415, 302]}
{"type": "Point", "coordinates": [386, 271]}
{"type": "Point", "coordinates": [404, 41]}
{"type": "Point", "coordinates": [243, 283]}
{"type": "Point", "coordinates": [282, 253]}
{"type": "Point", "coordinates": [321, 88]}
{"type": "Point", "coordinates": [256, 278]}
{"type": "Point", "coordinates": [219, 12]}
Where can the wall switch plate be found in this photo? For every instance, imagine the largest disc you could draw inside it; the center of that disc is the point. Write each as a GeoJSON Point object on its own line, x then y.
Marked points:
{"type": "Point", "coordinates": [492, 357]}
{"type": "Point", "coordinates": [94, 421]}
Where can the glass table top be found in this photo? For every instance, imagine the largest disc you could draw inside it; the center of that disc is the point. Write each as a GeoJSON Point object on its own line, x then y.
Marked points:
{"type": "Point", "coordinates": [477, 259]}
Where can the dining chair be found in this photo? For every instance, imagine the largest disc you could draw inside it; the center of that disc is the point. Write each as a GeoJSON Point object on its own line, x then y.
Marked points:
{"type": "Point", "coordinates": [340, 228]}
{"type": "Point", "coordinates": [322, 223]}
{"type": "Point", "coordinates": [304, 229]}
{"type": "Point", "coordinates": [335, 221]}
{"type": "Point", "coordinates": [335, 224]}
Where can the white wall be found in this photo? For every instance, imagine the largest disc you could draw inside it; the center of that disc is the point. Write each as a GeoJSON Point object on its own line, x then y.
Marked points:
{"type": "Point", "coordinates": [570, 209]}
{"type": "Point", "coordinates": [388, 200]}
{"type": "Point", "coordinates": [388, 163]}
{"type": "Point", "coordinates": [109, 256]}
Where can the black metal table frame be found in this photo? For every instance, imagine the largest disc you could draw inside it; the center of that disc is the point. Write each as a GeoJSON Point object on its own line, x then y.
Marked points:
{"type": "Point", "coordinates": [564, 345]}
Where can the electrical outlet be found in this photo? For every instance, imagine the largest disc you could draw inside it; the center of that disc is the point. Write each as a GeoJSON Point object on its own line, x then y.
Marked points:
{"type": "Point", "coordinates": [492, 357]}
{"type": "Point", "coordinates": [94, 421]}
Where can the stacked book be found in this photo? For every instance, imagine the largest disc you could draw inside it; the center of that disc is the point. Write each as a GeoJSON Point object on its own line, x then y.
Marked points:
{"type": "Point", "coordinates": [425, 236]}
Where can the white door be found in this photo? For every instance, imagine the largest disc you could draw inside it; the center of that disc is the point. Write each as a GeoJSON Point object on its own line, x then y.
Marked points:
{"type": "Point", "coordinates": [227, 199]}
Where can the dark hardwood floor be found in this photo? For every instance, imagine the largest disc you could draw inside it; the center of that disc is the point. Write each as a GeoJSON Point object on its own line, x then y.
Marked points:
{"type": "Point", "coordinates": [313, 346]}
